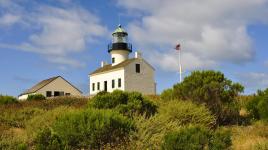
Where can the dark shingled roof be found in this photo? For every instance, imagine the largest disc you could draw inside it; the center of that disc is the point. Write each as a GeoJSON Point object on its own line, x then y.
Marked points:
{"type": "Point", "coordinates": [43, 83]}
{"type": "Point", "coordinates": [110, 67]}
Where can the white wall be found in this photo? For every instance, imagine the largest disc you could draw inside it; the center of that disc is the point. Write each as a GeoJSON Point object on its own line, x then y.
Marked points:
{"type": "Point", "coordinates": [108, 76]}
{"type": "Point", "coordinates": [24, 97]}
{"type": "Point", "coordinates": [59, 84]}
{"type": "Point", "coordinates": [119, 55]}
{"type": "Point", "coordinates": [144, 81]}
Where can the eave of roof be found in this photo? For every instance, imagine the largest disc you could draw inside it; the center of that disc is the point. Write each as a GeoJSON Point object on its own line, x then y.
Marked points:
{"type": "Point", "coordinates": [110, 67]}
{"type": "Point", "coordinates": [43, 83]}
{"type": "Point", "coordinates": [39, 85]}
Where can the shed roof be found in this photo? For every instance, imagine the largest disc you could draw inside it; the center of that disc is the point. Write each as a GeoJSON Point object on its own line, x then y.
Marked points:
{"type": "Point", "coordinates": [43, 83]}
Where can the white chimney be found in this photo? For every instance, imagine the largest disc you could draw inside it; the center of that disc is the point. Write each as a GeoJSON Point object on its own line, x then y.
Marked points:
{"type": "Point", "coordinates": [137, 54]}
{"type": "Point", "coordinates": [103, 63]}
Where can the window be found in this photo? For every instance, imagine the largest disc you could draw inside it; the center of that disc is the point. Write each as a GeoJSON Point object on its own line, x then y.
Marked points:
{"type": "Point", "coordinates": [93, 86]}
{"type": "Point", "coordinates": [105, 86]}
{"type": "Point", "coordinates": [98, 86]}
{"type": "Point", "coordinates": [112, 83]}
{"type": "Point", "coordinates": [119, 82]}
{"type": "Point", "coordinates": [113, 60]}
{"type": "Point", "coordinates": [67, 94]}
{"type": "Point", "coordinates": [49, 93]}
{"type": "Point", "coordinates": [61, 93]}
{"type": "Point", "coordinates": [138, 68]}
{"type": "Point", "coordinates": [56, 93]}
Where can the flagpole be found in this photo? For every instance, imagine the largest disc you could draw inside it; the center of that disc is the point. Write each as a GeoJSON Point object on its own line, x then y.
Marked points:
{"type": "Point", "coordinates": [178, 47]}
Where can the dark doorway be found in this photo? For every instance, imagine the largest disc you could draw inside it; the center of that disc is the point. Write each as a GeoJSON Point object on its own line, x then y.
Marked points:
{"type": "Point", "coordinates": [105, 86]}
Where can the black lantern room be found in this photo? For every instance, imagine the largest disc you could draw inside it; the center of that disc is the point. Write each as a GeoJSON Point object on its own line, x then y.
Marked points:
{"type": "Point", "coordinates": [120, 40]}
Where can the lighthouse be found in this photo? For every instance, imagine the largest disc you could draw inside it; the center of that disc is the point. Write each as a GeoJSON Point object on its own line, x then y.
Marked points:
{"type": "Point", "coordinates": [119, 48]}
{"type": "Point", "coordinates": [123, 73]}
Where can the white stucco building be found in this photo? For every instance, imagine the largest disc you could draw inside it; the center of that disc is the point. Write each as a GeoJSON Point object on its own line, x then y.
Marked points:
{"type": "Point", "coordinates": [52, 87]}
{"type": "Point", "coordinates": [124, 73]}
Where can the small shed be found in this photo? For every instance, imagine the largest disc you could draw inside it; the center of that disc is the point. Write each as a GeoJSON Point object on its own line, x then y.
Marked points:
{"type": "Point", "coordinates": [52, 87]}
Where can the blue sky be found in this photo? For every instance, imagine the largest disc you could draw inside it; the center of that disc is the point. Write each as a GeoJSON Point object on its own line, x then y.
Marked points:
{"type": "Point", "coordinates": [44, 38]}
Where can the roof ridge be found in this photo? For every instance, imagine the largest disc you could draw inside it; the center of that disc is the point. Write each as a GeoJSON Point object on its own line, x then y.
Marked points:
{"type": "Point", "coordinates": [110, 67]}
{"type": "Point", "coordinates": [32, 90]}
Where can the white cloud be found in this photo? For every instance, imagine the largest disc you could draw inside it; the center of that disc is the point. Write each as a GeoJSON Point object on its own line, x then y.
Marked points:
{"type": "Point", "coordinates": [59, 33]}
{"type": "Point", "coordinates": [64, 31]}
{"type": "Point", "coordinates": [10, 13]}
{"type": "Point", "coordinates": [9, 19]}
{"type": "Point", "coordinates": [66, 61]}
{"type": "Point", "coordinates": [254, 80]}
{"type": "Point", "coordinates": [211, 32]}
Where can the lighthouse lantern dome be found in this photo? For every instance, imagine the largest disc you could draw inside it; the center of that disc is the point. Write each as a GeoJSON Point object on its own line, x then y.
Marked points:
{"type": "Point", "coordinates": [120, 35]}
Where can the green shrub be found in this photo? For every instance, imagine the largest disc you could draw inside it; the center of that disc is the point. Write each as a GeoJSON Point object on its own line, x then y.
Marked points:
{"type": "Point", "coordinates": [186, 112]}
{"type": "Point", "coordinates": [167, 94]}
{"type": "Point", "coordinates": [36, 97]}
{"type": "Point", "coordinates": [46, 140]}
{"type": "Point", "coordinates": [220, 140]}
{"type": "Point", "coordinates": [104, 100]}
{"type": "Point", "coordinates": [253, 109]}
{"type": "Point", "coordinates": [92, 128]}
{"type": "Point", "coordinates": [258, 106]}
{"type": "Point", "coordinates": [190, 138]}
{"type": "Point", "coordinates": [127, 103]}
{"type": "Point", "coordinates": [136, 103]}
{"type": "Point", "coordinates": [261, 146]}
{"type": "Point", "coordinates": [197, 138]}
{"type": "Point", "coordinates": [229, 113]}
{"type": "Point", "coordinates": [172, 115]}
{"type": "Point", "coordinates": [22, 146]}
{"type": "Point", "coordinates": [45, 120]}
{"type": "Point", "coordinates": [263, 108]}
{"type": "Point", "coordinates": [7, 100]}
{"type": "Point", "coordinates": [212, 89]}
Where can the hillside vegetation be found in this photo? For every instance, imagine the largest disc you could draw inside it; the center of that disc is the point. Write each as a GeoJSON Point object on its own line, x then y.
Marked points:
{"type": "Point", "coordinates": [205, 111]}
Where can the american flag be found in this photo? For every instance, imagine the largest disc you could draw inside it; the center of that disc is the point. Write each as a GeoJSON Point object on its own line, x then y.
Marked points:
{"type": "Point", "coordinates": [178, 47]}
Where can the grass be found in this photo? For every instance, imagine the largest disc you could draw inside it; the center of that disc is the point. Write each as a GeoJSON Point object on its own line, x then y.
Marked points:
{"type": "Point", "coordinates": [250, 137]}
{"type": "Point", "coordinates": [47, 104]}
{"type": "Point", "coordinates": [172, 116]}
{"type": "Point", "coordinates": [19, 121]}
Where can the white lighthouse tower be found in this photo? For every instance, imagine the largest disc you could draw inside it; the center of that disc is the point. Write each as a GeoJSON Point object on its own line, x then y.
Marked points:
{"type": "Point", "coordinates": [119, 48]}
{"type": "Point", "coordinates": [124, 73]}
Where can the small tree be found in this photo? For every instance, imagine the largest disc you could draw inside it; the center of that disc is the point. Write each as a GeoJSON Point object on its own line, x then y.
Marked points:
{"type": "Point", "coordinates": [213, 89]}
